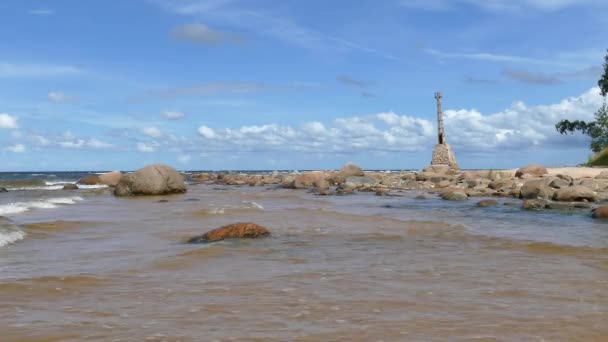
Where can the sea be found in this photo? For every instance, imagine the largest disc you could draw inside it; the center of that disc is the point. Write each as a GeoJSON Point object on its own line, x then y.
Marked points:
{"type": "Point", "coordinates": [83, 265]}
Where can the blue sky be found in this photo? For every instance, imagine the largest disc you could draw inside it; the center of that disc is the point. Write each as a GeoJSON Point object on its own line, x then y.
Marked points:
{"type": "Point", "coordinates": [271, 84]}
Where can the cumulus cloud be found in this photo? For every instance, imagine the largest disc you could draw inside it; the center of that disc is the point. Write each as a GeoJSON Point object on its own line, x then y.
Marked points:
{"type": "Point", "coordinates": [152, 132]}
{"type": "Point", "coordinates": [516, 128]}
{"type": "Point", "coordinates": [520, 126]}
{"type": "Point", "coordinates": [17, 148]}
{"type": "Point", "coordinates": [172, 115]}
{"type": "Point", "coordinates": [8, 121]}
{"type": "Point", "coordinates": [70, 141]}
{"type": "Point", "coordinates": [201, 34]}
{"type": "Point", "coordinates": [146, 148]}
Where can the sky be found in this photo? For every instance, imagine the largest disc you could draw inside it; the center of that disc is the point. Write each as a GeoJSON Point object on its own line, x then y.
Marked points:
{"type": "Point", "coordinates": [286, 84]}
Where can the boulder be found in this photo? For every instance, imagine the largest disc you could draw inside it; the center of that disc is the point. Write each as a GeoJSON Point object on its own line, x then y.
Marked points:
{"type": "Point", "coordinates": [89, 180]}
{"type": "Point", "coordinates": [232, 231]}
{"type": "Point", "coordinates": [155, 179]}
{"type": "Point", "coordinates": [532, 170]}
{"type": "Point", "coordinates": [593, 184]}
{"type": "Point", "coordinates": [534, 204]}
{"type": "Point", "coordinates": [309, 179]}
{"type": "Point", "coordinates": [602, 175]}
{"type": "Point", "coordinates": [454, 195]}
{"type": "Point", "coordinates": [558, 183]}
{"type": "Point", "coordinates": [351, 170]}
{"type": "Point", "coordinates": [576, 193]}
{"type": "Point", "coordinates": [70, 187]}
{"type": "Point", "coordinates": [443, 184]}
{"type": "Point", "coordinates": [487, 203]}
{"type": "Point", "coordinates": [110, 178]}
{"type": "Point", "coordinates": [3, 190]}
{"type": "Point", "coordinates": [441, 169]}
{"type": "Point", "coordinates": [201, 177]}
{"type": "Point", "coordinates": [382, 191]}
{"type": "Point", "coordinates": [288, 182]}
{"type": "Point", "coordinates": [360, 181]}
{"type": "Point", "coordinates": [536, 188]}
{"type": "Point", "coordinates": [420, 197]}
{"type": "Point", "coordinates": [499, 184]}
{"type": "Point", "coordinates": [600, 213]}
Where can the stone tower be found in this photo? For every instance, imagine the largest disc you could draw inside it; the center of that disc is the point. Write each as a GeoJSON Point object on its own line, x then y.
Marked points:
{"type": "Point", "coordinates": [442, 154]}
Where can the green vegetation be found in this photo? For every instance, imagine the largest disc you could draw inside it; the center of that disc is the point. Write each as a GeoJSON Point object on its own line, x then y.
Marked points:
{"type": "Point", "coordinates": [598, 129]}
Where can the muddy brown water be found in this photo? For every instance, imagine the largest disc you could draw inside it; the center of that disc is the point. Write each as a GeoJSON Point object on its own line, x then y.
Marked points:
{"type": "Point", "coordinates": [352, 268]}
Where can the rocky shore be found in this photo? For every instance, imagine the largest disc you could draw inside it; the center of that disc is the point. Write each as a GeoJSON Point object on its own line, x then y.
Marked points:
{"type": "Point", "coordinates": [539, 188]}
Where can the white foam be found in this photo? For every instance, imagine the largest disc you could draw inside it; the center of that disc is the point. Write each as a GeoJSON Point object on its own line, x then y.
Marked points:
{"type": "Point", "coordinates": [51, 203]}
{"type": "Point", "coordinates": [55, 186]}
{"type": "Point", "coordinates": [8, 237]}
{"type": "Point", "coordinates": [253, 205]}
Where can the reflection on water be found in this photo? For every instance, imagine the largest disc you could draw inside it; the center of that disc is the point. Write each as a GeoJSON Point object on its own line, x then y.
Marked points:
{"type": "Point", "coordinates": [353, 268]}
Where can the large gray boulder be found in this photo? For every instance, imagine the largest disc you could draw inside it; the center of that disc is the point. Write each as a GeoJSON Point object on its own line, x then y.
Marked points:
{"type": "Point", "coordinates": [157, 179]}
{"type": "Point", "coordinates": [531, 170]}
{"type": "Point", "coordinates": [576, 193]}
{"type": "Point", "coordinates": [536, 188]}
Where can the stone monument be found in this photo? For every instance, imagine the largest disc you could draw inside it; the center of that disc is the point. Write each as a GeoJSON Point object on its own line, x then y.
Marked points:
{"type": "Point", "coordinates": [442, 154]}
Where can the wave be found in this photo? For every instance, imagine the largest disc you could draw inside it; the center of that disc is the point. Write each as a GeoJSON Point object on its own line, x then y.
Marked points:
{"type": "Point", "coordinates": [57, 185]}
{"type": "Point", "coordinates": [51, 203]}
{"type": "Point", "coordinates": [9, 233]}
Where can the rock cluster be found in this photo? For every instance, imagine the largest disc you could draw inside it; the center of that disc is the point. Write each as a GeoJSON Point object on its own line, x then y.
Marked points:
{"type": "Point", "coordinates": [232, 231]}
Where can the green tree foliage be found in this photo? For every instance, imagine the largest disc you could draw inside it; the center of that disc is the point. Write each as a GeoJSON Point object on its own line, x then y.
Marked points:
{"type": "Point", "coordinates": [598, 129]}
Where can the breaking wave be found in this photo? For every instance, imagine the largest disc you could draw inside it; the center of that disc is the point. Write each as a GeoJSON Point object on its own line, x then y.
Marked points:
{"type": "Point", "coordinates": [50, 203]}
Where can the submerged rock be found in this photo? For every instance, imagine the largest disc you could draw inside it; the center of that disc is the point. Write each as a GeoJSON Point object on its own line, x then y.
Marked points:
{"type": "Point", "coordinates": [232, 231]}
{"type": "Point", "coordinates": [3, 190]}
{"type": "Point", "coordinates": [487, 203]}
{"type": "Point", "coordinates": [454, 195]}
{"type": "Point", "coordinates": [70, 187]}
{"type": "Point", "coordinates": [600, 213]}
{"type": "Point", "coordinates": [531, 170]}
{"type": "Point", "coordinates": [534, 204]}
{"type": "Point", "coordinates": [155, 179]}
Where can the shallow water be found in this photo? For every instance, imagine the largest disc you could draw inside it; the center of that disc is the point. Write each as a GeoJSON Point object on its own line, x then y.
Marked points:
{"type": "Point", "coordinates": [352, 268]}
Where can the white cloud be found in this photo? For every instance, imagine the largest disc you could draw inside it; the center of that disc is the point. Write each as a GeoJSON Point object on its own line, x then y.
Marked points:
{"type": "Point", "coordinates": [152, 132]}
{"type": "Point", "coordinates": [143, 147]}
{"type": "Point", "coordinates": [59, 97]}
{"type": "Point", "coordinates": [8, 121]}
{"type": "Point", "coordinates": [71, 142]}
{"type": "Point", "coordinates": [519, 127]}
{"type": "Point", "coordinates": [40, 140]}
{"type": "Point", "coordinates": [17, 148]}
{"type": "Point", "coordinates": [172, 115]}
{"type": "Point", "coordinates": [37, 70]}
{"type": "Point", "coordinates": [206, 132]}
{"type": "Point", "coordinates": [202, 34]}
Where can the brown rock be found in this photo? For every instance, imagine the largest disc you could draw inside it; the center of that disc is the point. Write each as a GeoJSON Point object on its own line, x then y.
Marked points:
{"type": "Point", "coordinates": [536, 188]}
{"type": "Point", "coordinates": [89, 180]}
{"type": "Point", "coordinates": [576, 193]}
{"type": "Point", "coordinates": [534, 204]}
{"type": "Point", "coordinates": [487, 203]}
{"type": "Point", "coordinates": [440, 169]}
{"type": "Point", "coordinates": [351, 170]}
{"type": "Point", "coordinates": [310, 179]}
{"type": "Point", "coordinates": [155, 179]}
{"type": "Point", "coordinates": [533, 170]}
{"type": "Point", "coordinates": [110, 178]}
{"type": "Point", "coordinates": [454, 195]}
{"type": "Point", "coordinates": [232, 231]}
{"type": "Point", "coordinates": [600, 213]}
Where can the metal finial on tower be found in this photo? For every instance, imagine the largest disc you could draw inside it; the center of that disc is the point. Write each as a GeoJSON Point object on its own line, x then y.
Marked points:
{"type": "Point", "coordinates": [440, 131]}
